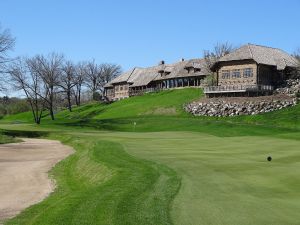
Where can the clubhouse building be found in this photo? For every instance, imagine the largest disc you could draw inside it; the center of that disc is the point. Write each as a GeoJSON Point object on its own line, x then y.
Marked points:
{"type": "Point", "coordinates": [248, 71]}
{"type": "Point", "coordinates": [251, 70]}
{"type": "Point", "coordinates": [186, 73]}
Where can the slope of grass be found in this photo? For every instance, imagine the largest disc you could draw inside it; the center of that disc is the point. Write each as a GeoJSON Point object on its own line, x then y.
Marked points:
{"type": "Point", "coordinates": [159, 112]}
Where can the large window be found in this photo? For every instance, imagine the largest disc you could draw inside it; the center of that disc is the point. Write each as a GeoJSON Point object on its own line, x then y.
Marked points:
{"type": "Point", "coordinates": [225, 74]}
{"type": "Point", "coordinates": [236, 73]}
{"type": "Point", "coordinates": [248, 72]}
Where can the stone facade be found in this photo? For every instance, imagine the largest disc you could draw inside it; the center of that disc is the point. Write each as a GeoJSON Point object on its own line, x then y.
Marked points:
{"type": "Point", "coordinates": [222, 107]}
{"type": "Point", "coordinates": [121, 91]}
{"type": "Point", "coordinates": [243, 68]}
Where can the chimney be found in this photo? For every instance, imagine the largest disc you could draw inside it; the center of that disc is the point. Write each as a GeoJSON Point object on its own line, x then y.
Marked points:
{"type": "Point", "coordinates": [182, 59]}
{"type": "Point", "coordinates": [162, 62]}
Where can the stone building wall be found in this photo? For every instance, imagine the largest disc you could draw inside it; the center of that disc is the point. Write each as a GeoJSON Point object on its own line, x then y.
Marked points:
{"type": "Point", "coordinates": [121, 91]}
{"type": "Point", "coordinates": [237, 81]}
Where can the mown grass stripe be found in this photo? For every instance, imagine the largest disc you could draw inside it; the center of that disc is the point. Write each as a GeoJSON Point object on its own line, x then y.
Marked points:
{"type": "Point", "coordinates": [136, 192]}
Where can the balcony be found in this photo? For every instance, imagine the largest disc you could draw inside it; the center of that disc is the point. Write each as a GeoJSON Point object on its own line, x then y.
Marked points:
{"type": "Point", "coordinates": [238, 88]}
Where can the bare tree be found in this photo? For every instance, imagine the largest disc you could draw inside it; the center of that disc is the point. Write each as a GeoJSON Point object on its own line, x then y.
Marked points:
{"type": "Point", "coordinates": [48, 68]}
{"type": "Point", "coordinates": [93, 79]}
{"type": "Point", "coordinates": [67, 81]}
{"type": "Point", "coordinates": [220, 50]}
{"type": "Point", "coordinates": [80, 77]}
{"type": "Point", "coordinates": [98, 75]}
{"type": "Point", "coordinates": [7, 43]}
{"type": "Point", "coordinates": [32, 86]}
{"type": "Point", "coordinates": [107, 73]}
{"type": "Point", "coordinates": [211, 57]}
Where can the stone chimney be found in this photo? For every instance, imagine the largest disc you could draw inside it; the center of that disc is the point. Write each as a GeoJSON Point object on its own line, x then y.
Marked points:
{"type": "Point", "coordinates": [162, 62]}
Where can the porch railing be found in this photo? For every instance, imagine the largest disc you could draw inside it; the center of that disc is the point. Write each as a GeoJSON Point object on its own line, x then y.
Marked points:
{"type": "Point", "coordinates": [238, 88]}
{"type": "Point", "coordinates": [143, 91]}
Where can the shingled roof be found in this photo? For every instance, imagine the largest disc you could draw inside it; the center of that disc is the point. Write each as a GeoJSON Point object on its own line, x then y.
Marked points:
{"type": "Point", "coordinates": [180, 69]}
{"type": "Point", "coordinates": [261, 55]}
{"type": "Point", "coordinates": [143, 76]}
{"type": "Point", "coordinates": [136, 77]}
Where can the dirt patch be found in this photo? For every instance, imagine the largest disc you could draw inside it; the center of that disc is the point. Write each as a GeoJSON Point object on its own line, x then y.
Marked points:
{"type": "Point", "coordinates": [24, 170]}
{"type": "Point", "coordinates": [162, 111]}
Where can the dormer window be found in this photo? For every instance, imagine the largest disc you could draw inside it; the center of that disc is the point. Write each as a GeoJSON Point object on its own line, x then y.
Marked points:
{"type": "Point", "coordinates": [188, 68]}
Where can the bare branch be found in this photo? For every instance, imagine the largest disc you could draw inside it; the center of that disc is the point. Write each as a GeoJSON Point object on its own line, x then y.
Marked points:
{"type": "Point", "coordinates": [7, 43]}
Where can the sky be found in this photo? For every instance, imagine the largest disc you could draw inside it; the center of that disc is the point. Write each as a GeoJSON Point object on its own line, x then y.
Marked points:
{"type": "Point", "coordinates": [143, 32]}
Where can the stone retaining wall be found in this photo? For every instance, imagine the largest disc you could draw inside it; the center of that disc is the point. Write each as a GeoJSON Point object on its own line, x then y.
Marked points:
{"type": "Point", "coordinates": [239, 106]}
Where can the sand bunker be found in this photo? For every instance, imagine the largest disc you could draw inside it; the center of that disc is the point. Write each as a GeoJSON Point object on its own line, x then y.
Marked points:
{"type": "Point", "coordinates": [23, 173]}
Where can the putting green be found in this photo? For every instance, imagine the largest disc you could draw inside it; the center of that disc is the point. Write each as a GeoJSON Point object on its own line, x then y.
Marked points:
{"type": "Point", "coordinates": [225, 180]}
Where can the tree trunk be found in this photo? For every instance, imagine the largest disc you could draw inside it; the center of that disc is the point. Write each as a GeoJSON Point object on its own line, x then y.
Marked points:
{"type": "Point", "coordinates": [51, 104]}
{"type": "Point", "coordinates": [79, 96]}
{"type": "Point", "coordinates": [69, 101]}
{"type": "Point", "coordinates": [51, 113]}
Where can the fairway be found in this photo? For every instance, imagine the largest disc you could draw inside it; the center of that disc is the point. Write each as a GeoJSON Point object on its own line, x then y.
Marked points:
{"type": "Point", "coordinates": [225, 180]}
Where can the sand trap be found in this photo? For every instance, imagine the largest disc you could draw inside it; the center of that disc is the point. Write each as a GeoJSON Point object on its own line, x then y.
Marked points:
{"type": "Point", "coordinates": [23, 173]}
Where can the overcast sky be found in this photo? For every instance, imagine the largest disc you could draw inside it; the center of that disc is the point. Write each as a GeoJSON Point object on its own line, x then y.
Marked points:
{"type": "Point", "coordinates": [141, 33]}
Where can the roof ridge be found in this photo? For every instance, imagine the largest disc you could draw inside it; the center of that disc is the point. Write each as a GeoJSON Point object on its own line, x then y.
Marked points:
{"type": "Point", "coordinates": [131, 73]}
{"type": "Point", "coordinates": [265, 46]}
{"type": "Point", "coordinates": [250, 51]}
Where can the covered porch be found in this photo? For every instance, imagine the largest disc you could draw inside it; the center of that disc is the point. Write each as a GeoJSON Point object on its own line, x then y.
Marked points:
{"type": "Point", "coordinates": [238, 90]}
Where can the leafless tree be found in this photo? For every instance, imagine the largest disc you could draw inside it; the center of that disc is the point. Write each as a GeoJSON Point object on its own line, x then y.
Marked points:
{"type": "Point", "coordinates": [32, 86]}
{"type": "Point", "coordinates": [93, 79]}
{"type": "Point", "coordinates": [98, 75]}
{"type": "Point", "coordinates": [7, 43]}
{"type": "Point", "coordinates": [220, 50]}
{"type": "Point", "coordinates": [107, 73]}
{"type": "Point", "coordinates": [211, 57]}
{"type": "Point", "coordinates": [80, 77]}
{"type": "Point", "coordinates": [67, 81]}
{"type": "Point", "coordinates": [48, 68]}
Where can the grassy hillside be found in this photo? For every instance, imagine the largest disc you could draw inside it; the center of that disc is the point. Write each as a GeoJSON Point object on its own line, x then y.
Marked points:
{"type": "Point", "coordinates": [164, 112]}
{"type": "Point", "coordinates": [163, 103]}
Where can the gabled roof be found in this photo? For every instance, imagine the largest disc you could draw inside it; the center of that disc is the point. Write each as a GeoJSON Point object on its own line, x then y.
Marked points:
{"type": "Point", "coordinates": [143, 76]}
{"type": "Point", "coordinates": [261, 55]}
{"type": "Point", "coordinates": [137, 76]}
{"type": "Point", "coordinates": [123, 77]}
{"type": "Point", "coordinates": [180, 69]}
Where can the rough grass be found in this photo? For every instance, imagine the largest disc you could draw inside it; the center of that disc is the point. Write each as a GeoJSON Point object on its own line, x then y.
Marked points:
{"type": "Point", "coordinates": [102, 184]}
{"type": "Point", "coordinates": [4, 139]}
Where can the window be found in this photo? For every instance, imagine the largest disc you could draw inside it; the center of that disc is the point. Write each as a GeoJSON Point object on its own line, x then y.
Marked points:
{"type": "Point", "coordinates": [121, 88]}
{"type": "Point", "coordinates": [236, 74]}
{"type": "Point", "coordinates": [225, 74]}
{"type": "Point", "coordinates": [248, 72]}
